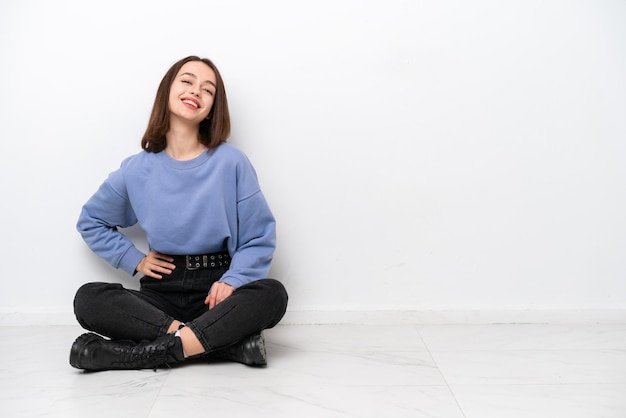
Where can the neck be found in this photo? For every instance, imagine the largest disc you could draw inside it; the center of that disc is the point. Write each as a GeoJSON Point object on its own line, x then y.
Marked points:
{"type": "Point", "coordinates": [182, 142]}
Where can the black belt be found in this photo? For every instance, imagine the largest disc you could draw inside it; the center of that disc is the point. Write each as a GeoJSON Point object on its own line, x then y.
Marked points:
{"type": "Point", "coordinates": [203, 261]}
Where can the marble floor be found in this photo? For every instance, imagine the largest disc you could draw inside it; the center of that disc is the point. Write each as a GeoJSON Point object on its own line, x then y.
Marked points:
{"type": "Point", "coordinates": [471, 371]}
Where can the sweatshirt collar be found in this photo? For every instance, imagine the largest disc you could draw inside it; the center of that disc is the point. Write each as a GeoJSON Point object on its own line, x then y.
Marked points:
{"type": "Point", "coordinates": [184, 165]}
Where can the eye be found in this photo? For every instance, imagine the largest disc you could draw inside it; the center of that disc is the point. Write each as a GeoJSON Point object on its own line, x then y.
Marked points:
{"type": "Point", "coordinates": [185, 81]}
{"type": "Point", "coordinates": [208, 91]}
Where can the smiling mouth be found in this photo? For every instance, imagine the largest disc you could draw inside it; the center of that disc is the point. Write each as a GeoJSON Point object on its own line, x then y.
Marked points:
{"type": "Point", "coordinates": [191, 103]}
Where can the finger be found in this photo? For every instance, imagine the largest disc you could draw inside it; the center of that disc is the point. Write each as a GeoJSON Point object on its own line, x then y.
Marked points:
{"type": "Point", "coordinates": [219, 297]}
{"type": "Point", "coordinates": [222, 292]}
{"type": "Point", "coordinates": [152, 274]}
{"type": "Point", "coordinates": [211, 298]}
{"type": "Point", "coordinates": [164, 257]}
{"type": "Point", "coordinates": [161, 260]}
{"type": "Point", "coordinates": [162, 268]}
{"type": "Point", "coordinates": [153, 270]}
{"type": "Point", "coordinates": [160, 256]}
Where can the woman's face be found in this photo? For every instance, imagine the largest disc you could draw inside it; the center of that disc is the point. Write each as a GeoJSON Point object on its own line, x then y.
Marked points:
{"type": "Point", "coordinates": [192, 92]}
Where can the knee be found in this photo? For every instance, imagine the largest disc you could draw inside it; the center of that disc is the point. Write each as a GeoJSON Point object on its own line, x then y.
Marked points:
{"type": "Point", "coordinates": [278, 291]}
{"type": "Point", "coordinates": [276, 295]}
{"type": "Point", "coordinates": [270, 291]}
{"type": "Point", "coordinates": [89, 296]}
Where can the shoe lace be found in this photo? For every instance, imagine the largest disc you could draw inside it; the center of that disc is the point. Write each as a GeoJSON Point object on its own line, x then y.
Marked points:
{"type": "Point", "coordinates": [144, 354]}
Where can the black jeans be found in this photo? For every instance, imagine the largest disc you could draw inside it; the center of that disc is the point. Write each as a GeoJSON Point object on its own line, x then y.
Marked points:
{"type": "Point", "coordinates": [111, 310]}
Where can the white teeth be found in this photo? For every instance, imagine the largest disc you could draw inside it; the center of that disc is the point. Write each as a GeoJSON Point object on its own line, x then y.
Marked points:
{"type": "Point", "coordinates": [194, 104]}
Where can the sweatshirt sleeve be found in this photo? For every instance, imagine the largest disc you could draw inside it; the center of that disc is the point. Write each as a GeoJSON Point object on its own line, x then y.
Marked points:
{"type": "Point", "coordinates": [108, 209]}
{"type": "Point", "coordinates": [253, 249]}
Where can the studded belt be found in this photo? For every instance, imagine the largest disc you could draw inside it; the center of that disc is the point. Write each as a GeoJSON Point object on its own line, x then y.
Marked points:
{"type": "Point", "coordinates": [203, 261]}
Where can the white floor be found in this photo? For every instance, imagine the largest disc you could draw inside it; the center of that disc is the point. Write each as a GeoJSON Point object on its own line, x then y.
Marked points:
{"type": "Point", "coordinates": [472, 371]}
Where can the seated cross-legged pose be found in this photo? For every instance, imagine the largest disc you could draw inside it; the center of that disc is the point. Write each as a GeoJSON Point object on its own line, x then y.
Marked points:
{"type": "Point", "coordinates": [204, 287]}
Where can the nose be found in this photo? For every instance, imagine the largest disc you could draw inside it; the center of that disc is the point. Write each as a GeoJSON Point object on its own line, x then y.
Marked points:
{"type": "Point", "coordinates": [195, 90]}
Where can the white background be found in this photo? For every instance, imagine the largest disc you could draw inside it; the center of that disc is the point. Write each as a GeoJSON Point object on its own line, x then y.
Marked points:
{"type": "Point", "coordinates": [418, 155]}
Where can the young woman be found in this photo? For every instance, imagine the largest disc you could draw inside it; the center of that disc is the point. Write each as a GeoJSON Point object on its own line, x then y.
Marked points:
{"type": "Point", "coordinates": [211, 235]}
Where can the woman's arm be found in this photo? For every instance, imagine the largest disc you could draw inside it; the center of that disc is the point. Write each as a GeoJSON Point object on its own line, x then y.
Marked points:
{"type": "Point", "coordinates": [99, 220]}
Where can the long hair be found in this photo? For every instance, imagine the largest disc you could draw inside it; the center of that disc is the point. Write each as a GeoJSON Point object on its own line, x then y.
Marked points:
{"type": "Point", "coordinates": [212, 131]}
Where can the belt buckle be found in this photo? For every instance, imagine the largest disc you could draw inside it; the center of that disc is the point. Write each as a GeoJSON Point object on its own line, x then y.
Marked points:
{"type": "Point", "coordinates": [192, 262]}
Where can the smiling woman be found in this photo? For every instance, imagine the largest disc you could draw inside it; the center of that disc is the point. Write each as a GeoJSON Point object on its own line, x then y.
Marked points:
{"type": "Point", "coordinates": [204, 290]}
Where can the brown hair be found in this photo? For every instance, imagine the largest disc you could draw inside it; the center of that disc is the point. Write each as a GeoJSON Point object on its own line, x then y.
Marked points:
{"type": "Point", "coordinates": [212, 131]}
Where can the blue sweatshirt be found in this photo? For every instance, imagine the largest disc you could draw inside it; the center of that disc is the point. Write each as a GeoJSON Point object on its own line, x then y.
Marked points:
{"type": "Point", "coordinates": [209, 204]}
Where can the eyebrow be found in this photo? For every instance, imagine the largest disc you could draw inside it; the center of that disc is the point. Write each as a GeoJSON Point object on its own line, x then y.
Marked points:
{"type": "Point", "coordinates": [196, 77]}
